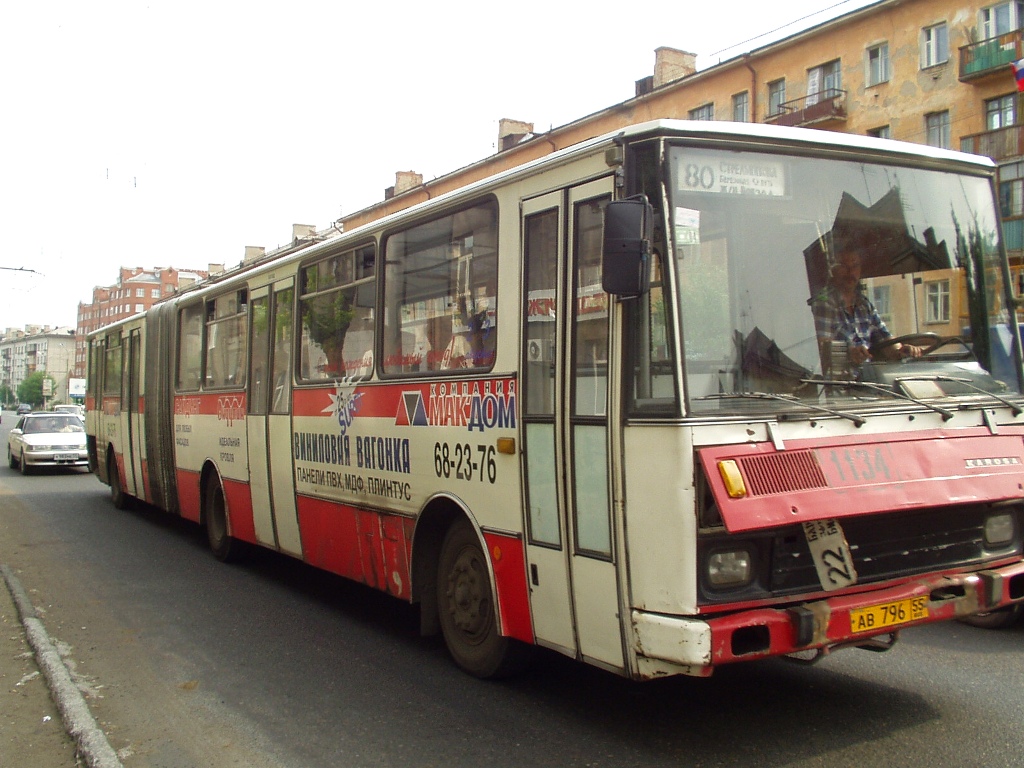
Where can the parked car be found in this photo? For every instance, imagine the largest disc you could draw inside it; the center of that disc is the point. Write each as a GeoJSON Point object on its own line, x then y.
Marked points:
{"type": "Point", "coordinates": [77, 410]}
{"type": "Point", "coordinates": [24, 408]}
{"type": "Point", "coordinates": [47, 440]}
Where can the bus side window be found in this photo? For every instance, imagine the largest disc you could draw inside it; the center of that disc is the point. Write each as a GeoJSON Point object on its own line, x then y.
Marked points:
{"type": "Point", "coordinates": [338, 297]}
{"type": "Point", "coordinates": [190, 347]}
{"type": "Point", "coordinates": [440, 293]}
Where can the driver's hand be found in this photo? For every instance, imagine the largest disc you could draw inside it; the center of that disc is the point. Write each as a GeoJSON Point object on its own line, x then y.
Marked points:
{"type": "Point", "coordinates": [859, 355]}
{"type": "Point", "coordinates": [909, 350]}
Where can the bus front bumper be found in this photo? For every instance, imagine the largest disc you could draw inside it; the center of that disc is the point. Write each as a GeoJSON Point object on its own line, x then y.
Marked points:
{"type": "Point", "coordinates": [826, 624]}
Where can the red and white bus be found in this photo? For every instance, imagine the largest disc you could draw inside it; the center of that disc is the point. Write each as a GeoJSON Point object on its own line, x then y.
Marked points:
{"type": "Point", "coordinates": [588, 403]}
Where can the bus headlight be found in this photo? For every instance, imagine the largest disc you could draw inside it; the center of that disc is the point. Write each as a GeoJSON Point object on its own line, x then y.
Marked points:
{"type": "Point", "coordinates": [998, 530]}
{"type": "Point", "coordinates": [732, 568]}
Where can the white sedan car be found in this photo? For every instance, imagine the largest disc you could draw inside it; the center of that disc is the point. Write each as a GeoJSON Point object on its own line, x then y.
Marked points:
{"type": "Point", "coordinates": [47, 440]}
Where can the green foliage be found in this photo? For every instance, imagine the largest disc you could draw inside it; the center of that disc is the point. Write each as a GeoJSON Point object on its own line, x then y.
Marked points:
{"type": "Point", "coordinates": [31, 389]}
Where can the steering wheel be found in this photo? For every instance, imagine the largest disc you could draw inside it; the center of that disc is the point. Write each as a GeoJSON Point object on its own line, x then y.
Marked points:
{"type": "Point", "coordinates": [931, 341]}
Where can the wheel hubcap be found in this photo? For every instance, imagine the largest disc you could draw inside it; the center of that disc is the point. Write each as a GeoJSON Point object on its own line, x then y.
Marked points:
{"type": "Point", "coordinates": [469, 601]}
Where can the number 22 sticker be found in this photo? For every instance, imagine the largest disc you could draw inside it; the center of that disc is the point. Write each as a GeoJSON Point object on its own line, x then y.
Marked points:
{"type": "Point", "coordinates": [831, 554]}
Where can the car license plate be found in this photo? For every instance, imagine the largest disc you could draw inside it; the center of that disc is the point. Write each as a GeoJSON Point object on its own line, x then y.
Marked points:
{"type": "Point", "coordinates": [65, 457]}
{"type": "Point", "coordinates": [888, 614]}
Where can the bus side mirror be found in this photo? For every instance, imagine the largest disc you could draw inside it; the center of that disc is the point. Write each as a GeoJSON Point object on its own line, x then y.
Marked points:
{"type": "Point", "coordinates": [626, 257]}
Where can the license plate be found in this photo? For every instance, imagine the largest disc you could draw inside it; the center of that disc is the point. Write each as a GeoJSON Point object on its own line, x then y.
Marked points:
{"type": "Point", "coordinates": [66, 457]}
{"type": "Point", "coordinates": [830, 554]}
{"type": "Point", "coordinates": [888, 614]}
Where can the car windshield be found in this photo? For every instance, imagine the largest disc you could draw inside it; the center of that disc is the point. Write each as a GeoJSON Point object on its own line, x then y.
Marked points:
{"type": "Point", "coordinates": [805, 280]}
{"type": "Point", "coordinates": [56, 423]}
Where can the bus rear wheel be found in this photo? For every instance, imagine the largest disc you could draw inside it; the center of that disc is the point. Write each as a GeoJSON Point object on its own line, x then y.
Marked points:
{"type": "Point", "coordinates": [466, 608]}
{"type": "Point", "coordinates": [225, 547]}
{"type": "Point", "coordinates": [117, 494]}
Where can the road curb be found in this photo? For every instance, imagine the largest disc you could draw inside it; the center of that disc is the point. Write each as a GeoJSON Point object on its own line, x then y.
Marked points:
{"type": "Point", "coordinates": [78, 720]}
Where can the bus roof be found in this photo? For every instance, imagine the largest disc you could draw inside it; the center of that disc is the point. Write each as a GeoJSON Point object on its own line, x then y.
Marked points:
{"type": "Point", "coordinates": [791, 137]}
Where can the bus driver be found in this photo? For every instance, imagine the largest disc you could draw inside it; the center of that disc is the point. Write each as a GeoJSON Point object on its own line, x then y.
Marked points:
{"type": "Point", "coordinates": [842, 312]}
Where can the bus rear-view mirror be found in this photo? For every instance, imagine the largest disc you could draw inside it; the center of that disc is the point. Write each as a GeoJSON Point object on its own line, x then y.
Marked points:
{"type": "Point", "coordinates": [626, 258]}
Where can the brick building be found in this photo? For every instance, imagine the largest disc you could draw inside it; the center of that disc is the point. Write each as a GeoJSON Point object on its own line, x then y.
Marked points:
{"type": "Point", "coordinates": [136, 290]}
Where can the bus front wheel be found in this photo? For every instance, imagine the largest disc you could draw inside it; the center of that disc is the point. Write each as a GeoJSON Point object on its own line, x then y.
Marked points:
{"type": "Point", "coordinates": [467, 612]}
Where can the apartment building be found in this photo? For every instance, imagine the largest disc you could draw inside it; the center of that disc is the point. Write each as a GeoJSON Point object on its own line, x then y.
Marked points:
{"type": "Point", "coordinates": [927, 71]}
{"type": "Point", "coordinates": [136, 290]}
{"type": "Point", "coordinates": [38, 348]}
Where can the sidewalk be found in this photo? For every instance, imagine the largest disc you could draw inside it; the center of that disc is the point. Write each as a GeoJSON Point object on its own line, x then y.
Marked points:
{"type": "Point", "coordinates": [40, 705]}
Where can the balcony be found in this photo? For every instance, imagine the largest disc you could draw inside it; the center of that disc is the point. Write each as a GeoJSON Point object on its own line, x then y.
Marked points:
{"type": "Point", "coordinates": [1000, 144]}
{"type": "Point", "coordinates": [818, 109]}
{"type": "Point", "coordinates": [990, 57]}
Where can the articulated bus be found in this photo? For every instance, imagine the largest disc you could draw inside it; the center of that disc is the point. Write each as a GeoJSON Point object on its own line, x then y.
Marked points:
{"type": "Point", "coordinates": [600, 402]}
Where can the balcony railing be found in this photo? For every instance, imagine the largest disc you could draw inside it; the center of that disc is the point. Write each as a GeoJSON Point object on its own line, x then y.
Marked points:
{"type": "Point", "coordinates": [999, 144]}
{"type": "Point", "coordinates": [990, 56]}
{"type": "Point", "coordinates": [814, 109]}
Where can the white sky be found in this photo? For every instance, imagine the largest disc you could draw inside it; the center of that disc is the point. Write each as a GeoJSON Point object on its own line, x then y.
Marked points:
{"type": "Point", "coordinates": [177, 132]}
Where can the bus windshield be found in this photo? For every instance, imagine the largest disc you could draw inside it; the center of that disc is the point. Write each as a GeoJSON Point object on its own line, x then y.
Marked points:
{"type": "Point", "coordinates": [812, 279]}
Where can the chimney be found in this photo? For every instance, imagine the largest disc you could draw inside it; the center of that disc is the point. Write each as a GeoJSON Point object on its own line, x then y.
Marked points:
{"type": "Point", "coordinates": [253, 253]}
{"type": "Point", "coordinates": [302, 232]}
{"type": "Point", "coordinates": [511, 132]}
{"type": "Point", "coordinates": [644, 85]}
{"type": "Point", "coordinates": [214, 269]}
{"type": "Point", "coordinates": [671, 64]}
{"type": "Point", "coordinates": [404, 181]}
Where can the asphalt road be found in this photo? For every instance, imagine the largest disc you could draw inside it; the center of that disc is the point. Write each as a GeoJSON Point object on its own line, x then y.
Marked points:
{"type": "Point", "coordinates": [189, 662]}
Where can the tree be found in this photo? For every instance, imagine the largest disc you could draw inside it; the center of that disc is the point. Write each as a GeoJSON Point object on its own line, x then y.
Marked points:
{"type": "Point", "coordinates": [6, 395]}
{"type": "Point", "coordinates": [31, 389]}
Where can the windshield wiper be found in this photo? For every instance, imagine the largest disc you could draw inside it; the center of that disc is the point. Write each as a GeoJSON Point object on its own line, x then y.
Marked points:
{"type": "Point", "coordinates": [1015, 409]}
{"type": "Point", "coordinates": [945, 412]}
{"type": "Point", "coordinates": [789, 399]}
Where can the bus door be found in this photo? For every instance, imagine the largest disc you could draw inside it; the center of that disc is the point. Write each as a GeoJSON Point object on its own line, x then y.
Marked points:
{"type": "Point", "coordinates": [268, 421]}
{"type": "Point", "coordinates": [571, 568]}
{"type": "Point", "coordinates": [133, 482]}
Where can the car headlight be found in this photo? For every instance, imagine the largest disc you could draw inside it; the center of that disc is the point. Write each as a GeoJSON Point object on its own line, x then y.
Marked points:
{"type": "Point", "coordinates": [999, 530]}
{"type": "Point", "coordinates": [731, 568]}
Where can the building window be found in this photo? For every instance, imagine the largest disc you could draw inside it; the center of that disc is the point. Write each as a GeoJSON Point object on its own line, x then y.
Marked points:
{"type": "Point", "coordinates": [703, 112]}
{"type": "Point", "coordinates": [140, 293]}
{"type": "Point", "coordinates": [934, 45]}
{"type": "Point", "coordinates": [776, 96]}
{"type": "Point", "coordinates": [878, 64]}
{"type": "Point", "coordinates": [1000, 19]}
{"type": "Point", "coordinates": [154, 293]}
{"type": "Point", "coordinates": [824, 82]}
{"type": "Point", "coordinates": [138, 308]}
{"type": "Point", "coordinates": [937, 301]}
{"type": "Point", "coordinates": [937, 129]}
{"type": "Point", "coordinates": [741, 107]}
{"type": "Point", "coordinates": [1001, 112]}
{"type": "Point", "coordinates": [1010, 196]}
{"type": "Point", "coordinates": [1011, 190]}
{"type": "Point", "coordinates": [881, 132]}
